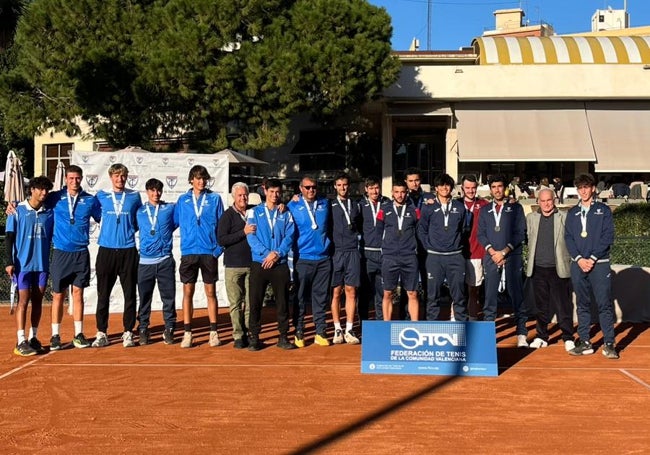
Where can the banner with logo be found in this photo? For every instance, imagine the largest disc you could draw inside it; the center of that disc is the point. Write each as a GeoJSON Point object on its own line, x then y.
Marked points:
{"type": "Point", "coordinates": [170, 168]}
{"type": "Point", "coordinates": [429, 348]}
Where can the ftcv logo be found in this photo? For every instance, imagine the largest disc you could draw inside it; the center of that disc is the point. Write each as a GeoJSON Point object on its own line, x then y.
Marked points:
{"type": "Point", "coordinates": [412, 336]}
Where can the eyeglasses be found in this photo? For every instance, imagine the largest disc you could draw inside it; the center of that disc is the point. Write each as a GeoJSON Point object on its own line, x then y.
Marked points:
{"type": "Point", "coordinates": [309, 187]}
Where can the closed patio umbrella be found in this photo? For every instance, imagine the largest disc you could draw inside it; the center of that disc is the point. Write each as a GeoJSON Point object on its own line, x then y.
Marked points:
{"type": "Point", "coordinates": [13, 182]}
{"type": "Point", "coordinates": [14, 192]}
{"type": "Point", "coordinates": [59, 177]}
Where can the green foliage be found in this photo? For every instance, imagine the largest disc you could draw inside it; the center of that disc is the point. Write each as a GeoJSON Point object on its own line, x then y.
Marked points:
{"type": "Point", "coordinates": [632, 220]}
{"type": "Point", "coordinates": [138, 69]}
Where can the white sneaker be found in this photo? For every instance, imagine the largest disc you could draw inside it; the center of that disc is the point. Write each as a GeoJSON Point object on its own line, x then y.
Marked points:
{"type": "Point", "coordinates": [569, 345]}
{"type": "Point", "coordinates": [351, 338]}
{"type": "Point", "coordinates": [214, 339]}
{"type": "Point", "coordinates": [521, 341]}
{"type": "Point", "coordinates": [538, 343]}
{"type": "Point", "coordinates": [338, 336]}
{"type": "Point", "coordinates": [187, 340]}
{"type": "Point", "coordinates": [127, 339]}
{"type": "Point", "coordinates": [101, 340]}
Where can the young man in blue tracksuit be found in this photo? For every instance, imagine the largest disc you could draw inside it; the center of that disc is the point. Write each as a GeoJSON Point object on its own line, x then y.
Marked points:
{"type": "Point", "coordinates": [73, 210]}
{"type": "Point", "coordinates": [371, 292]}
{"type": "Point", "coordinates": [157, 226]}
{"type": "Point", "coordinates": [270, 244]}
{"type": "Point", "coordinates": [442, 230]}
{"type": "Point", "coordinates": [197, 213]}
{"type": "Point", "coordinates": [502, 231]}
{"type": "Point", "coordinates": [397, 220]}
{"type": "Point", "coordinates": [28, 238]}
{"type": "Point", "coordinates": [346, 260]}
{"type": "Point", "coordinates": [312, 260]}
{"type": "Point", "coordinates": [589, 234]}
{"type": "Point", "coordinates": [117, 255]}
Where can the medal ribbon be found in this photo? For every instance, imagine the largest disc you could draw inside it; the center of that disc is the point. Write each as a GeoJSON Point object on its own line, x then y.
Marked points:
{"type": "Point", "coordinates": [497, 216]}
{"type": "Point", "coordinates": [153, 220]}
{"type": "Point", "coordinates": [374, 212]}
{"type": "Point", "coordinates": [400, 219]}
{"type": "Point", "coordinates": [583, 218]}
{"type": "Point", "coordinates": [311, 213]}
{"type": "Point", "coordinates": [347, 211]}
{"type": "Point", "coordinates": [118, 205]}
{"type": "Point", "coordinates": [198, 206]}
{"type": "Point", "coordinates": [72, 204]}
{"type": "Point", "coordinates": [271, 220]}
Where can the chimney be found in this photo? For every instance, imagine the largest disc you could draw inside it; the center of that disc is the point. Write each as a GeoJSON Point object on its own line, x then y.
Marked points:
{"type": "Point", "coordinates": [506, 19]}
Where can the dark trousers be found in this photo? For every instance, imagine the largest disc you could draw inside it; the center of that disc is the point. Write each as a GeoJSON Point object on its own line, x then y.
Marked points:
{"type": "Point", "coordinates": [372, 290]}
{"type": "Point", "coordinates": [111, 264]}
{"type": "Point", "coordinates": [403, 297]}
{"type": "Point", "coordinates": [597, 281]}
{"type": "Point", "coordinates": [278, 276]}
{"type": "Point", "coordinates": [452, 268]}
{"type": "Point", "coordinates": [552, 296]}
{"type": "Point", "coordinates": [165, 274]}
{"type": "Point", "coordinates": [514, 287]}
{"type": "Point", "coordinates": [313, 287]}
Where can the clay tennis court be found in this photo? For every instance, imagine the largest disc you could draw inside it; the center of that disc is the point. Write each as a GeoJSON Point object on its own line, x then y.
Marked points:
{"type": "Point", "coordinates": [159, 399]}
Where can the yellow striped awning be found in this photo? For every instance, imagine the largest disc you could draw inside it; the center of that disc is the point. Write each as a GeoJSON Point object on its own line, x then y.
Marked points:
{"type": "Point", "coordinates": [534, 50]}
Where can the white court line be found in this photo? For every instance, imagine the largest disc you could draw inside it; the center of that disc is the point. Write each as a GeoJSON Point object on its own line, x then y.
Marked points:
{"type": "Point", "coordinates": [22, 367]}
{"type": "Point", "coordinates": [198, 365]}
{"type": "Point", "coordinates": [292, 365]}
{"type": "Point", "coordinates": [635, 379]}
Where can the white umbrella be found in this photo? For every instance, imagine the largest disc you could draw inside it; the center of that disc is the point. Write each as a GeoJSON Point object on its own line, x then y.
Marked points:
{"type": "Point", "coordinates": [235, 157]}
{"type": "Point", "coordinates": [14, 192]}
{"type": "Point", "coordinates": [13, 179]}
{"type": "Point", "coordinates": [59, 177]}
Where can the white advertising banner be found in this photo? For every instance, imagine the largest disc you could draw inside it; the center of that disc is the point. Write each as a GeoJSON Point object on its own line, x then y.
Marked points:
{"type": "Point", "coordinates": [170, 168]}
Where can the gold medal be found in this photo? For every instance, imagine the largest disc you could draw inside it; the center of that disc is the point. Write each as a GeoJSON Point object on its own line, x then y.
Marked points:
{"type": "Point", "coordinates": [583, 234]}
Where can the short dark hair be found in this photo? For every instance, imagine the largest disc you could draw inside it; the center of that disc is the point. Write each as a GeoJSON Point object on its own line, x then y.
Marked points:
{"type": "Point", "coordinates": [273, 183]}
{"type": "Point", "coordinates": [74, 169]}
{"type": "Point", "coordinates": [198, 171]}
{"type": "Point", "coordinates": [496, 178]}
{"type": "Point", "coordinates": [372, 180]}
{"type": "Point", "coordinates": [584, 180]}
{"type": "Point", "coordinates": [469, 178]}
{"type": "Point", "coordinates": [153, 184]}
{"type": "Point", "coordinates": [40, 183]}
{"type": "Point", "coordinates": [399, 183]}
{"type": "Point", "coordinates": [444, 180]}
{"type": "Point", "coordinates": [411, 171]}
{"type": "Point", "coordinates": [342, 176]}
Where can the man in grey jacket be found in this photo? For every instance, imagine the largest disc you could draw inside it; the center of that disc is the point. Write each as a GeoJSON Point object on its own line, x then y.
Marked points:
{"type": "Point", "coordinates": [549, 266]}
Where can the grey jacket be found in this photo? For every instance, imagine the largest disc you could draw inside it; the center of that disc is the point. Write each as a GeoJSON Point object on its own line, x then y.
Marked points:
{"type": "Point", "coordinates": [562, 257]}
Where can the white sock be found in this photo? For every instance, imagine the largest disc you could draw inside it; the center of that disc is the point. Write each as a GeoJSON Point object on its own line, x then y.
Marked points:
{"type": "Point", "coordinates": [348, 326]}
{"type": "Point", "coordinates": [55, 329]}
{"type": "Point", "coordinates": [78, 327]}
{"type": "Point", "coordinates": [32, 332]}
{"type": "Point", "coordinates": [21, 336]}
{"type": "Point", "coordinates": [337, 326]}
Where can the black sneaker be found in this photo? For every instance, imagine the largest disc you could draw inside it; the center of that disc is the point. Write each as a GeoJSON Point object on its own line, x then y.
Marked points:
{"type": "Point", "coordinates": [240, 344]}
{"type": "Point", "coordinates": [80, 342]}
{"type": "Point", "coordinates": [609, 351]}
{"type": "Point", "coordinates": [143, 337]}
{"type": "Point", "coordinates": [255, 344]}
{"type": "Point", "coordinates": [55, 343]}
{"type": "Point", "coordinates": [36, 345]}
{"type": "Point", "coordinates": [582, 348]}
{"type": "Point", "coordinates": [168, 336]}
{"type": "Point", "coordinates": [24, 349]}
{"type": "Point", "coordinates": [283, 343]}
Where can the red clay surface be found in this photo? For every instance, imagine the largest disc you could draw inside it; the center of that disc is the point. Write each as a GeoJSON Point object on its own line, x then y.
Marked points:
{"type": "Point", "coordinates": [164, 399]}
